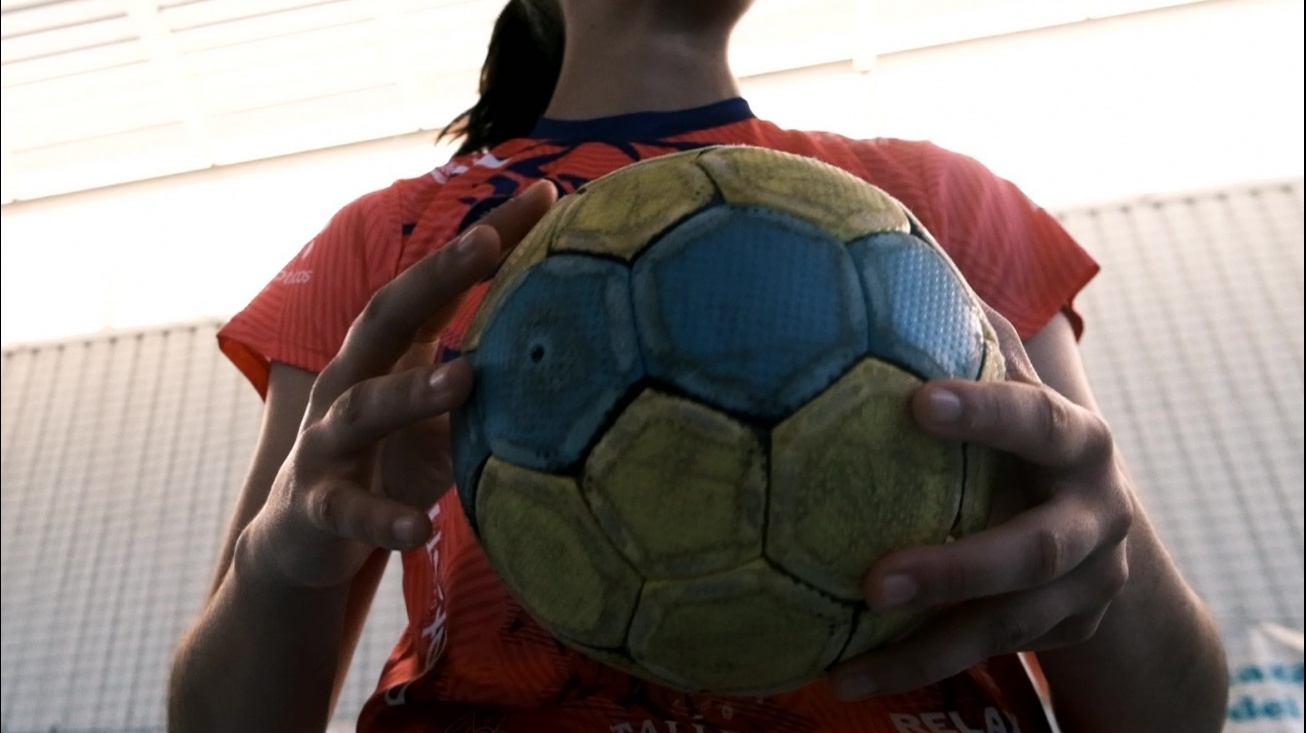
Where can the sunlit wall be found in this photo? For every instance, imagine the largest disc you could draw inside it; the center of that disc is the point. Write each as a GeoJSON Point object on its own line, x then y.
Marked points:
{"type": "Point", "coordinates": [1193, 96]}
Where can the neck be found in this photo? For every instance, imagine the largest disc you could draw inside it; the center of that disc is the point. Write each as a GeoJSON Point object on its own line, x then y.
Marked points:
{"type": "Point", "coordinates": [617, 68]}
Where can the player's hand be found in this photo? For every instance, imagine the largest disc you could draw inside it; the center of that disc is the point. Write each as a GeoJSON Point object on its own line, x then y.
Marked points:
{"type": "Point", "coordinates": [373, 452]}
{"type": "Point", "coordinates": [1039, 579]}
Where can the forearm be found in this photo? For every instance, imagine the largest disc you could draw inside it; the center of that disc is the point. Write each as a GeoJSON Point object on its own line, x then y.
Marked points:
{"type": "Point", "coordinates": [1156, 662]}
{"type": "Point", "coordinates": [261, 657]}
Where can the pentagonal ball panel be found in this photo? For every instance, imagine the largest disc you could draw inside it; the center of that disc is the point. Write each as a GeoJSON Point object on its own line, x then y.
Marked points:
{"type": "Point", "coordinates": [622, 212]}
{"type": "Point", "coordinates": [680, 488]}
{"type": "Point", "coordinates": [750, 310]}
{"type": "Point", "coordinates": [924, 316]}
{"type": "Point", "coordinates": [747, 631]}
{"type": "Point", "coordinates": [544, 543]}
{"type": "Point", "coordinates": [555, 359]}
{"type": "Point", "coordinates": [853, 478]}
{"type": "Point", "coordinates": [822, 194]}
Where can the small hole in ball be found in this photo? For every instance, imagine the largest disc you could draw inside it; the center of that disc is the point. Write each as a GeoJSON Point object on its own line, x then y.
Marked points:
{"type": "Point", "coordinates": [537, 354]}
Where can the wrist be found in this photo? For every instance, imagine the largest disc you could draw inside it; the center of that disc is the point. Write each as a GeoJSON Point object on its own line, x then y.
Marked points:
{"type": "Point", "coordinates": [1155, 650]}
{"type": "Point", "coordinates": [268, 651]}
{"type": "Point", "coordinates": [254, 563]}
{"type": "Point", "coordinates": [260, 560]}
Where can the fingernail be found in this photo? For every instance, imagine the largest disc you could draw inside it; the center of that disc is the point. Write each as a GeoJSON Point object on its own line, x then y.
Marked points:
{"type": "Point", "coordinates": [405, 530]}
{"type": "Point", "coordinates": [896, 591]}
{"type": "Point", "coordinates": [467, 242]}
{"type": "Point", "coordinates": [944, 406]}
{"type": "Point", "coordinates": [852, 687]}
{"type": "Point", "coordinates": [437, 380]}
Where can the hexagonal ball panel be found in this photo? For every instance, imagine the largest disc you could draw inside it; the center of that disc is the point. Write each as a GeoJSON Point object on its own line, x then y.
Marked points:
{"type": "Point", "coordinates": [531, 250]}
{"type": "Point", "coordinates": [622, 212]}
{"type": "Point", "coordinates": [679, 488]}
{"type": "Point", "coordinates": [747, 631]}
{"type": "Point", "coordinates": [924, 316]}
{"type": "Point", "coordinates": [853, 478]}
{"type": "Point", "coordinates": [822, 194]}
{"type": "Point", "coordinates": [554, 360]}
{"type": "Point", "coordinates": [544, 543]}
{"type": "Point", "coordinates": [750, 310]}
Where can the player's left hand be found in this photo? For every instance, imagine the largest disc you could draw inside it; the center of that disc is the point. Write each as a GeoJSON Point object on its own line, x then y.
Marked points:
{"type": "Point", "coordinates": [1041, 578]}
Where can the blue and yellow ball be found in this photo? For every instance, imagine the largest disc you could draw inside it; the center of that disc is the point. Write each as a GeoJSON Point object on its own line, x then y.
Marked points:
{"type": "Point", "coordinates": [689, 436]}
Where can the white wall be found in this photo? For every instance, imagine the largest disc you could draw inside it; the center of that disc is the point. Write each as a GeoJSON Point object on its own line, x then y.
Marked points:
{"type": "Point", "coordinates": [178, 248]}
{"type": "Point", "coordinates": [1188, 97]}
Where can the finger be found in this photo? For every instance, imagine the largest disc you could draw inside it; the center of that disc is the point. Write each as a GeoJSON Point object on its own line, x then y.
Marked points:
{"type": "Point", "coordinates": [1076, 629]}
{"type": "Point", "coordinates": [347, 511]}
{"type": "Point", "coordinates": [954, 641]}
{"type": "Point", "coordinates": [1030, 421]}
{"type": "Point", "coordinates": [1019, 367]}
{"type": "Point", "coordinates": [425, 480]}
{"type": "Point", "coordinates": [377, 407]}
{"type": "Point", "coordinates": [396, 314]}
{"type": "Point", "coordinates": [387, 327]}
{"type": "Point", "coordinates": [514, 219]}
{"type": "Point", "coordinates": [1035, 548]}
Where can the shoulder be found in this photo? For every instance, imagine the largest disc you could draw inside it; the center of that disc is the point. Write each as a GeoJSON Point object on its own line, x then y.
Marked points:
{"type": "Point", "coordinates": [917, 170]}
{"type": "Point", "coordinates": [844, 150]}
{"type": "Point", "coordinates": [381, 217]}
{"type": "Point", "coordinates": [942, 187]}
{"type": "Point", "coordinates": [403, 196]}
{"type": "Point", "coordinates": [912, 171]}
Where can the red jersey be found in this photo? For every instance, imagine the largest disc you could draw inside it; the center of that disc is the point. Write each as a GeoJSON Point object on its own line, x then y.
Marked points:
{"type": "Point", "coordinates": [471, 659]}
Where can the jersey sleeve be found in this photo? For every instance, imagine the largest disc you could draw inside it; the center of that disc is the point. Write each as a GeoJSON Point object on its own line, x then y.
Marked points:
{"type": "Point", "coordinates": [301, 317]}
{"type": "Point", "coordinates": [1015, 255]}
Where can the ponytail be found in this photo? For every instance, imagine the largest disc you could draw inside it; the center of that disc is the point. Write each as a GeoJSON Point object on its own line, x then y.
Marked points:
{"type": "Point", "coordinates": [521, 68]}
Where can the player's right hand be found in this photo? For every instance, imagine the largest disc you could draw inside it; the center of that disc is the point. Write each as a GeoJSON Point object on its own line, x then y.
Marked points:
{"type": "Point", "coordinates": [372, 454]}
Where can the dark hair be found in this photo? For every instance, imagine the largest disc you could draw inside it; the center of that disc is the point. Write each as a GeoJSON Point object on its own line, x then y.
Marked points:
{"type": "Point", "coordinates": [521, 68]}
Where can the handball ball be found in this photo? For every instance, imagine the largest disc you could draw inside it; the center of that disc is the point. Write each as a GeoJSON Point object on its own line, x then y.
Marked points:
{"type": "Point", "coordinates": [690, 434]}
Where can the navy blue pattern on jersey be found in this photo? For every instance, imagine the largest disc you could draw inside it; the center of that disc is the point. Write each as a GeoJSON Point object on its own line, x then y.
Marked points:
{"type": "Point", "coordinates": [625, 133]}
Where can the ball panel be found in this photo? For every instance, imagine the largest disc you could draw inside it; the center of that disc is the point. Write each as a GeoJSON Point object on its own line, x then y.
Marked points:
{"type": "Point", "coordinates": [848, 462]}
{"type": "Point", "coordinates": [829, 197]}
{"type": "Point", "coordinates": [560, 353]}
{"type": "Point", "coordinates": [532, 249]}
{"type": "Point", "coordinates": [749, 631]}
{"type": "Point", "coordinates": [926, 318]}
{"type": "Point", "coordinates": [626, 210]}
{"type": "Point", "coordinates": [615, 658]}
{"type": "Point", "coordinates": [747, 309]}
{"type": "Point", "coordinates": [872, 630]}
{"type": "Point", "coordinates": [679, 488]}
{"type": "Point", "coordinates": [993, 367]}
{"type": "Point", "coordinates": [545, 545]}
{"type": "Point", "coordinates": [470, 451]}
{"type": "Point", "coordinates": [984, 466]}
